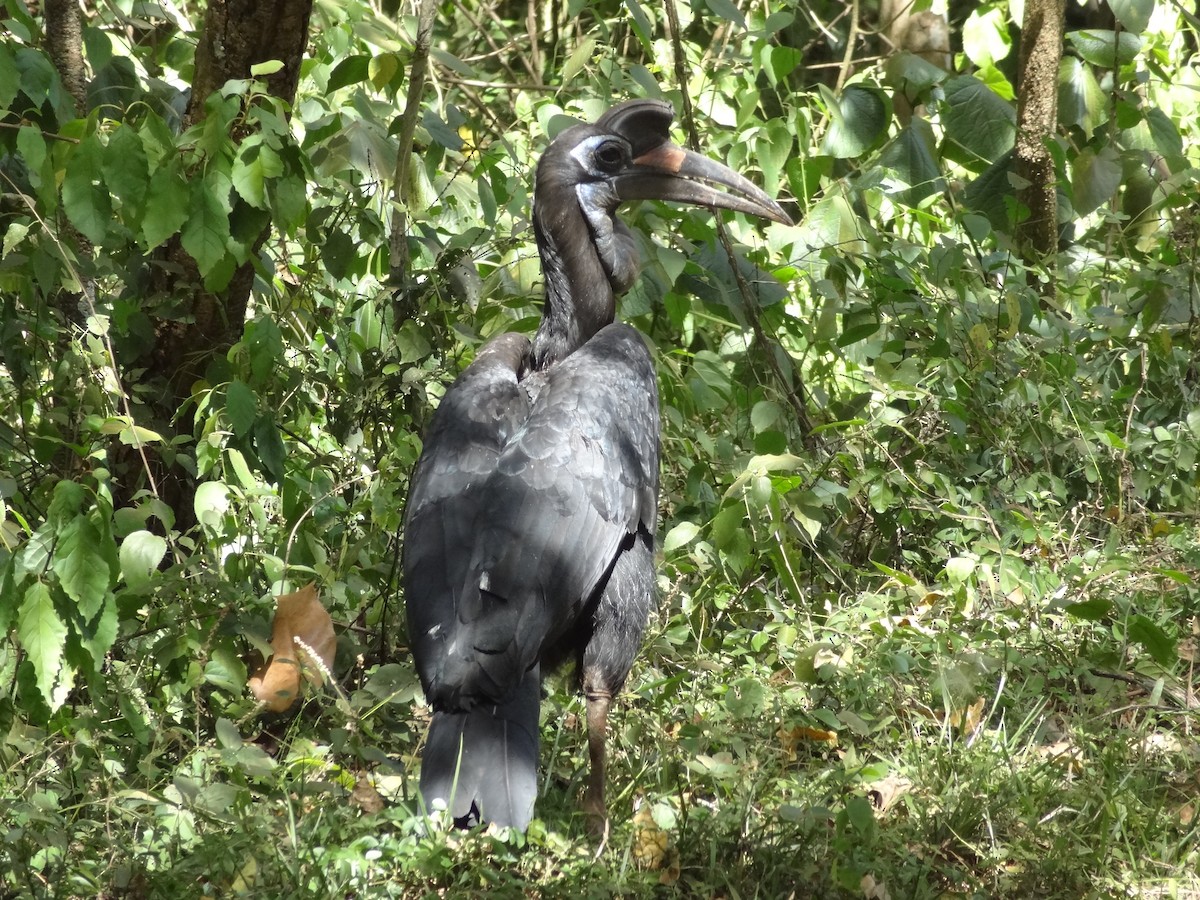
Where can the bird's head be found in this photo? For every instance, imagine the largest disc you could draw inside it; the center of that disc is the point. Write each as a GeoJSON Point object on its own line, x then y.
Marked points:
{"type": "Point", "coordinates": [585, 174]}
{"type": "Point", "coordinates": [627, 154]}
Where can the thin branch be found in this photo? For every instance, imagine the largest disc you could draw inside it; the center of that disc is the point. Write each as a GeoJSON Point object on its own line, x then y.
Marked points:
{"type": "Point", "coordinates": [398, 239]}
{"type": "Point", "coordinates": [795, 396]}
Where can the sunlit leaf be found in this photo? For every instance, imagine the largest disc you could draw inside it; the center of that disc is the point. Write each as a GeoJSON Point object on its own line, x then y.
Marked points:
{"type": "Point", "coordinates": [42, 635]}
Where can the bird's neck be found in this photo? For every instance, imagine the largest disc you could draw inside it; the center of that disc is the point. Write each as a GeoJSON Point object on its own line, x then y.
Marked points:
{"type": "Point", "coordinates": [587, 257]}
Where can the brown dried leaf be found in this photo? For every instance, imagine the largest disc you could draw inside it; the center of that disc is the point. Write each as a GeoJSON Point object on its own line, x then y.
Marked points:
{"type": "Point", "coordinates": [650, 843]}
{"type": "Point", "coordinates": [365, 797]}
{"type": "Point", "coordinates": [301, 625]}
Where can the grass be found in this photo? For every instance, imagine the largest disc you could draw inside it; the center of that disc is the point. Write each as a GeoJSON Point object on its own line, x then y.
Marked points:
{"type": "Point", "coordinates": [904, 741]}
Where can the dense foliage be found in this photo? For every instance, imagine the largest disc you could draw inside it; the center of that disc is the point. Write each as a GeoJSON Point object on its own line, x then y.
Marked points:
{"type": "Point", "coordinates": [930, 596]}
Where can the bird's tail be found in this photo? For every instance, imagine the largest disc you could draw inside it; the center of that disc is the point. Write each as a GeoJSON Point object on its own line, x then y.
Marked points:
{"type": "Point", "coordinates": [483, 763]}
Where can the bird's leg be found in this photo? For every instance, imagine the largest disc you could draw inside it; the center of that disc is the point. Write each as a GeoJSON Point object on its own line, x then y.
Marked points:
{"type": "Point", "coordinates": [598, 700]}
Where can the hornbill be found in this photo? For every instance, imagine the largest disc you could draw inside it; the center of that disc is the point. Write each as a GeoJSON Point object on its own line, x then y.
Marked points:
{"type": "Point", "coordinates": [529, 529]}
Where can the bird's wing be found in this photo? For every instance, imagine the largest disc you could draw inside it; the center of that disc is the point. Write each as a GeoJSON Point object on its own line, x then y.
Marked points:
{"type": "Point", "coordinates": [476, 419]}
{"type": "Point", "coordinates": [545, 527]}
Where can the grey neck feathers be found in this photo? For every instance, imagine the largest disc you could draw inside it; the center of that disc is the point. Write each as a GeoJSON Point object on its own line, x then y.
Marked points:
{"type": "Point", "coordinates": [588, 257]}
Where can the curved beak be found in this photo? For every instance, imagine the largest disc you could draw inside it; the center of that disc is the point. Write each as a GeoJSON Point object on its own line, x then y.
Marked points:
{"type": "Point", "coordinates": [669, 172]}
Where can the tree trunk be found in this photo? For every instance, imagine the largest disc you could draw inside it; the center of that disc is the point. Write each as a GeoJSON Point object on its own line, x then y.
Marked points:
{"type": "Point", "coordinates": [1037, 115]}
{"type": "Point", "coordinates": [237, 34]}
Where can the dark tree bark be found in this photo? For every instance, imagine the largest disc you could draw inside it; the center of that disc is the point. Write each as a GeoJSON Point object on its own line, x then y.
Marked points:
{"type": "Point", "coordinates": [64, 43]}
{"type": "Point", "coordinates": [1037, 115]}
{"type": "Point", "coordinates": [237, 34]}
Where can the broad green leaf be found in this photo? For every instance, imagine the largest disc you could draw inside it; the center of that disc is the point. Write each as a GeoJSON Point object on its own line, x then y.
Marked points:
{"type": "Point", "coordinates": [913, 157]}
{"type": "Point", "coordinates": [127, 172]}
{"type": "Point", "coordinates": [1133, 14]}
{"type": "Point", "coordinates": [10, 77]}
{"type": "Point", "coordinates": [978, 120]}
{"type": "Point", "coordinates": [860, 120]}
{"type": "Point", "coordinates": [249, 179]}
{"type": "Point", "coordinates": [383, 69]}
{"type": "Point", "coordinates": [269, 446]}
{"type": "Point", "coordinates": [960, 568]}
{"type": "Point", "coordinates": [350, 70]}
{"type": "Point", "coordinates": [773, 148]}
{"type": "Point", "coordinates": [781, 61]}
{"type": "Point", "coordinates": [912, 74]}
{"type": "Point", "coordinates": [166, 206]}
{"type": "Point", "coordinates": [141, 553]}
{"type": "Point", "coordinates": [241, 405]}
{"type": "Point", "coordinates": [1106, 49]}
{"type": "Point", "coordinates": [1160, 647]}
{"type": "Point", "coordinates": [225, 670]}
{"type": "Point", "coordinates": [211, 503]}
{"type": "Point", "coordinates": [1094, 610]}
{"type": "Point", "coordinates": [1095, 178]}
{"type": "Point", "coordinates": [82, 569]}
{"type": "Point", "coordinates": [990, 192]}
{"type": "Point", "coordinates": [85, 198]}
{"type": "Point", "coordinates": [269, 67]}
{"type": "Point", "coordinates": [228, 735]}
{"type": "Point", "coordinates": [681, 534]}
{"type": "Point", "coordinates": [42, 635]}
{"type": "Point", "coordinates": [579, 58]}
{"type": "Point", "coordinates": [101, 633]}
{"type": "Point", "coordinates": [985, 36]}
{"type": "Point", "coordinates": [764, 415]}
{"type": "Point", "coordinates": [727, 10]}
{"type": "Point", "coordinates": [207, 228]}
{"type": "Point", "coordinates": [1080, 100]}
{"type": "Point", "coordinates": [65, 503]}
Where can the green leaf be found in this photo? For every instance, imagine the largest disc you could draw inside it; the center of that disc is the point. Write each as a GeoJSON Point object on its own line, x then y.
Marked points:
{"type": "Point", "coordinates": [1080, 100]}
{"type": "Point", "coordinates": [579, 58]}
{"type": "Point", "coordinates": [207, 228]}
{"type": "Point", "coordinates": [249, 179]}
{"type": "Point", "coordinates": [127, 172]}
{"type": "Point", "coordinates": [42, 635]}
{"type": "Point", "coordinates": [682, 534]}
{"type": "Point", "coordinates": [1093, 610]}
{"type": "Point", "coordinates": [1133, 14]}
{"type": "Point", "coordinates": [978, 120]}
{"type": "Point", "coordinates": [241, 405]}
{"type": "Point", "coordinates": [81, 567]}
{"type": "Point", "coordinates": [764, 415]}
{"type": "Point", "coordinates": [349, 71]}
{"type": "Point", "coordinates": [1106, 49]}
{"type": "Point", "coordinates": [913, 157]}
{"type": "Point", "coordinates": [211, 503]}
{"type": "Point", "coordinates": [85, 198]}
{"type": "Point", "coordinates": [166, 206]}
{"type": "Point", "coordinates": [985, 35]}
{"type": "Point", "coordinates": [960, 568]}
{"type": "Point", "coordinates": [65, 503]}
{"type": "Point", "coordinates": [10, 78]}
{"type": "Point", "coordinates": [1160, 647]}
{"type": "Point", "coordinates": [225, 670]}
{"type": "Point", "coordinates": [100, 634]}
{"type": "Point", "coordinates": [861, 815]}
{"type": "Point", "coordinates": [269, 67]}
{"type": "Point", "coordinates": [1095, 178]}
{"type": "Point", "coordinates": [727, 10]}
{"type": "Point", "coordinates": [860, 120]}
{"type": "Point", "coordinates": [269, 446]}
{"type": "Point", "coordinates": [141, 553]}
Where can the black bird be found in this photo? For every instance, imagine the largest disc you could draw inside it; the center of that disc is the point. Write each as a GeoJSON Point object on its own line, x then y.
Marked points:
{"type": "Point", "coordinates": [529, 530]}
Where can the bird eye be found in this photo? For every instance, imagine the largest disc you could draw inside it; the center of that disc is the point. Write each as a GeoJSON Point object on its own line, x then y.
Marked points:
{"type": "Point", "coordinates": [609, 156]}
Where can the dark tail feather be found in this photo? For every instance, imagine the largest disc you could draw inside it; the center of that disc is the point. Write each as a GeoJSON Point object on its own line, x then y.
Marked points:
{"type": "Point", "coordinates": [495, 777]}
